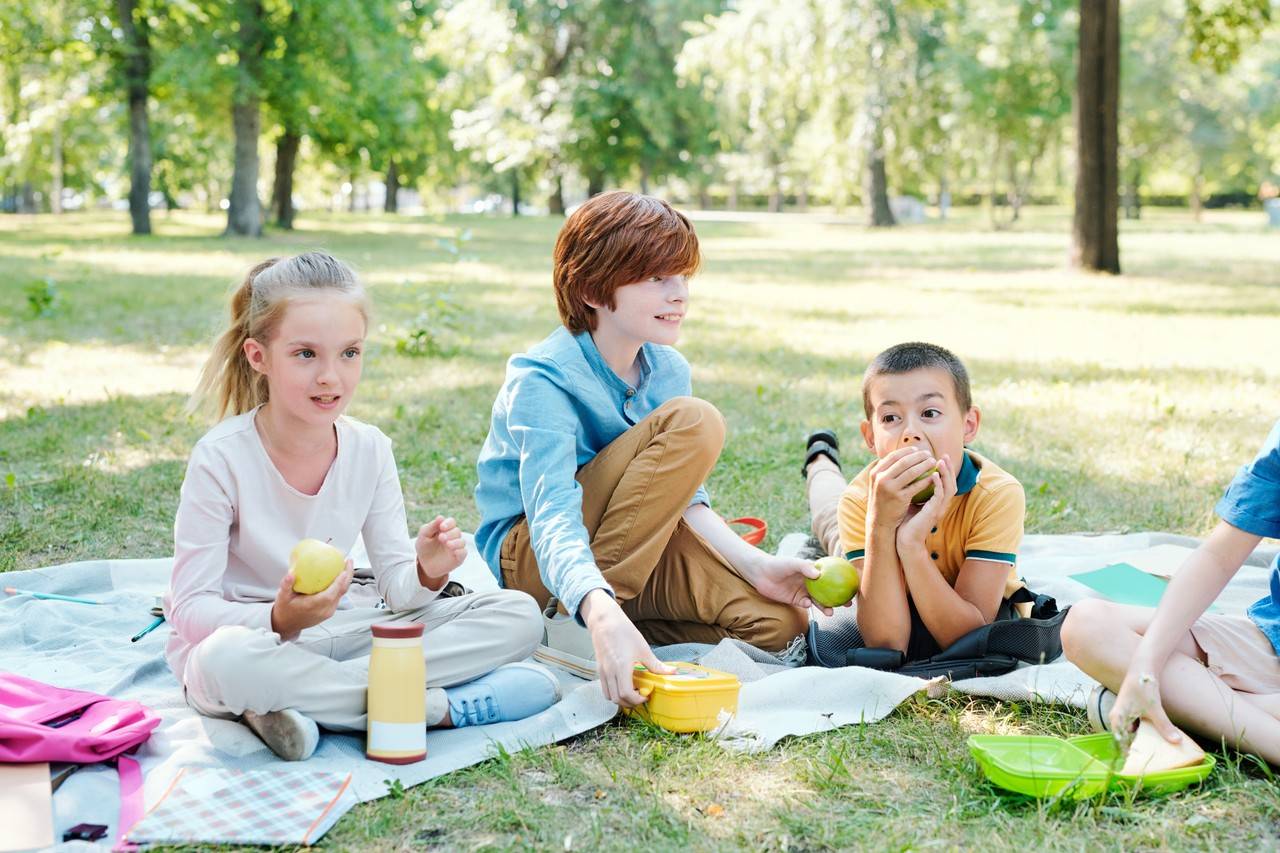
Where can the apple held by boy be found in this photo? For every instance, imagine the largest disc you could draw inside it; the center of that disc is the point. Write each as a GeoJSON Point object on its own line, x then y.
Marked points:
{"type": "Point", "coordinates": [836, 584]}
{"type": "Point", "coordinates": [922, 496]}
{"type": "Point", "coordinates": [314, 565]}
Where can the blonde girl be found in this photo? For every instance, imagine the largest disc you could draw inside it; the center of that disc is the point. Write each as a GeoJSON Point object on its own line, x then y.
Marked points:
{"type": "Point", "coordinates": [284, 465]}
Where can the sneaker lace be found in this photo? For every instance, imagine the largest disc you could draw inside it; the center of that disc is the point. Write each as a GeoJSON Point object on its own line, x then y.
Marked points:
{"type": "Point", "coordinates": [480, 712]}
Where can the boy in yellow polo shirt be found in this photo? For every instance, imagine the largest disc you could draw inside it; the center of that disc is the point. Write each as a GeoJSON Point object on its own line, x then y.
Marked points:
{"type": "Point", "coordinates": [932, 570]}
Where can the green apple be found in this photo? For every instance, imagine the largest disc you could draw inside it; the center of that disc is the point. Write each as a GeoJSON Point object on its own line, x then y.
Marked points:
{"type": "Point", "coordinates": [837, 584]}
{"type": "Point", "coordinates": [314, 565]}
{"type": "Point", "coordinates": [924, 494]}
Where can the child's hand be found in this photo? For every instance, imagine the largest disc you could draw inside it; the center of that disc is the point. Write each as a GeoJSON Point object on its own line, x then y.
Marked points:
{"type": "Point", "coordinates": [618, 646]}
{"type": "Point", "coordinates": [1139, 699]}
{"type": "Point", "coordinates": [782, 579]}
{"type": "Point", "coordinates": [893, 484]}
{"type": "Point", "coordinates": [441, 549]}
{"type": "Point", "coordinates": [294, 612]}
{"type": "Point", "coordinates": [921, 522]}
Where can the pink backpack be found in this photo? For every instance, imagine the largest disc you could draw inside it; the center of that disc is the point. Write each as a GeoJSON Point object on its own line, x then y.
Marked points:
{"type": "Point", "coordinates": [40, 722]}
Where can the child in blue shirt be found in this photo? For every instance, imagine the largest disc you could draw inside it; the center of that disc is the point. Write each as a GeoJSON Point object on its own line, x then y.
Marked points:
{"type": "Point", "coordinates": [590, 481]}
{"type": "Point", "coordinates": [1214, 675]}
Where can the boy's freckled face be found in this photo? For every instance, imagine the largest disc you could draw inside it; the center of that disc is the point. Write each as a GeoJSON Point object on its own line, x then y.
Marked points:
{"type": "Point", "coordinates": [647, 311]}
{"type": "Point", "coordinates": [919, 408]}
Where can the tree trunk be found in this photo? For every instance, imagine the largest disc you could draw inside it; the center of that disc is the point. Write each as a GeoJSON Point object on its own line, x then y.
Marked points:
{"type": "Point", "coordinates": [515, 192]}
{"type": "Point", "coordinates": [282, 187]}
{"type": "Point", "coordinates": [595, 183]}
{"type": "Point", "coordinates": [137, 77]}
{"type": "Point", "coordinates": [876, 188]}
{"type": "Point", "coordinates": [555, 203]}
{"type": "Point", "coordinates": [244, 211]}
{"type": "Point", "coordinates": [644, 178]}
{"type": "Point", "coordinates": [993, 189]}
{"type": "Point", "coordinates": [875, 193]}
{"type": "Point", "coordinates": [1132, 202]}
{"type": "Point", "coordinates": [392, 202]}
{"type": "Point", "coordinates": [1017, 189]}
{"type": "Point", "coordinates": [1197, 194]}
{"type": "Point", "coordinates": [1095, 229]}
{"type": "Point", "coordinates": [55, 193]}
{"type": "Point", "coordinates": [351, 199]}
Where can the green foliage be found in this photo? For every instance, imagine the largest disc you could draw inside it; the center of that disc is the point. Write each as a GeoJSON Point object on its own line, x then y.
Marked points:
{"type": "Point", "coordinates": [1220, 30]}
{"type": "Point", "coordinates": [42, 297]}
{"type": "Point", "coordinates": [439, 315]}
{"type": "Point", "coordinates": [683, 97]}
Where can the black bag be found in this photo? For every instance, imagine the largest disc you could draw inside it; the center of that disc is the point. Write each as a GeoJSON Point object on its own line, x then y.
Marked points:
{"type": "Point", "coordinates": [992, 649]}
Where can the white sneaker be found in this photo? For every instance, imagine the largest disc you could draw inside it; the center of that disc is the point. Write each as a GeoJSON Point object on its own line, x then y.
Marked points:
{"type": "Point", "coordinates": [565, 643]}
{"type": "Point", "coordinates": [291, 735]}
{"type": "Point", "coordinates": [1099, 705]}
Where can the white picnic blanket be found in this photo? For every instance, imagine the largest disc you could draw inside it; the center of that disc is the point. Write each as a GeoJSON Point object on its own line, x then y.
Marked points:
{"type": "Point", "coordinates": [88, 647]}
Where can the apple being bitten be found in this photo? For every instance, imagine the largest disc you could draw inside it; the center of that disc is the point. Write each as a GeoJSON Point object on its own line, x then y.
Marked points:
{"type": "Point", "coordinates": [314, 565]}
{"type": "Point", "coordinates": [924, 494]}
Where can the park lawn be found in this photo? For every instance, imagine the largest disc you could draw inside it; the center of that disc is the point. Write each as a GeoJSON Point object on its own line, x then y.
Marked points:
{"type": "Point", "coordinates": [1121, 403]}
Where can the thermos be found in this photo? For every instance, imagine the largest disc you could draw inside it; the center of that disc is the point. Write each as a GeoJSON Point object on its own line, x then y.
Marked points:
{"type": "Point", "coordinates": [397, 695]}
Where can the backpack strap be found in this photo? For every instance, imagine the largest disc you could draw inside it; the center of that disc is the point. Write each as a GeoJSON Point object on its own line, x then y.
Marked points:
{"type": "Point", "coordinates": [132, 805]}
{"type": "Point", "coordinates": [1042, 606]}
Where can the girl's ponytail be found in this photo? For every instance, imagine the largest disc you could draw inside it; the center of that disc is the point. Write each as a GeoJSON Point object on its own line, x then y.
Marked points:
{"type": "Point", "coordinates": [228, 385]}
{"type": "Point", "coordinates": [227, 382]}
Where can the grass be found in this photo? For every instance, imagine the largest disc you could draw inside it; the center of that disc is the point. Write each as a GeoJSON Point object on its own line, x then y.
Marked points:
{"type": "Point", "coordinates": [1121, 403]}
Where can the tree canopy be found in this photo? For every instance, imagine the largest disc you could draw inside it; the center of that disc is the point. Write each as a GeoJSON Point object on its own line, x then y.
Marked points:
{"type": "Point", "coordinates": [263, 103]}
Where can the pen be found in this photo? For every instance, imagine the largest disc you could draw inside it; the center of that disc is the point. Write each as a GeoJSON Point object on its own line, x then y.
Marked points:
{"type": "Point", "coordinates": [50, 596]}
{"type": "Point", "coordinates": [147, 630]}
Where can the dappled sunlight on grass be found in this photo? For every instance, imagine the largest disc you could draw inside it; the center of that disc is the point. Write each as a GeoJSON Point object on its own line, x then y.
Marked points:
{"type": "Point", "coordinates": [1121, 403]}
{"type": "Point", "coordinates": [61, 373]}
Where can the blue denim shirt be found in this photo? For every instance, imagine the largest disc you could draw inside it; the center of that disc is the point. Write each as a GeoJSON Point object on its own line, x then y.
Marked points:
{"type": "Point", "coordinates": [1252, 503]}
{"type": "Point", "coordinates": [559, 406]}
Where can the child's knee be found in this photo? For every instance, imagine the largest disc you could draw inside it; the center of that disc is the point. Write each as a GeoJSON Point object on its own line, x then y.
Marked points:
{"type": "Point", "coordinates": [1085, 625]}
{"type": "Point", "coordinates": [524, 631]}
{"type": "Point", "coordinates": [227, 658]}
{"type": "Point", "coordinates": [699, 417]}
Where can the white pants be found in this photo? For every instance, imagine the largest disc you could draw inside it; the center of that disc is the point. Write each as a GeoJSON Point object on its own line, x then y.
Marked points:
{"type": "Point", "coordinates": [324, 674]}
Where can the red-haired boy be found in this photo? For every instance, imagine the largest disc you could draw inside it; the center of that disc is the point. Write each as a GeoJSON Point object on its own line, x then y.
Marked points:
{"type": "Point", "coordinates": [591, 477]}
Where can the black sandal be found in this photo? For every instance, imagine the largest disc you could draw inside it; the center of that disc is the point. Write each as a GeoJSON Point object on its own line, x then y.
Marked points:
{"type": "Point", "coordinates": [821, 443]}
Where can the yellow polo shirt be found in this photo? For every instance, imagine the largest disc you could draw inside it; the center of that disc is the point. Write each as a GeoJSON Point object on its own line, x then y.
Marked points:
{"type": "Point", "coordinates": [982, 522]}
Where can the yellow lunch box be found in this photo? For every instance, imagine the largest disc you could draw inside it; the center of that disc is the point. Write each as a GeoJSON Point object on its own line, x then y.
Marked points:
{"type": "Point", "coordinates": [689, 700]}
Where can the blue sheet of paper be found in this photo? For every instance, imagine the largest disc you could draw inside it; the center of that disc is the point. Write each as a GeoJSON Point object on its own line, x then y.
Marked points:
{"type": "Point", "coordinates": [1124, 584]}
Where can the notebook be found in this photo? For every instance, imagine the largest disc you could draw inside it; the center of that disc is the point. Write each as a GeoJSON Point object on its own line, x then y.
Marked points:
{"type": "Point", "coordinates": [1124, 584]}
{"type": "Point", "coordinates": [275, 806]}
{"type": "Point", "coordinates": [26, 807]}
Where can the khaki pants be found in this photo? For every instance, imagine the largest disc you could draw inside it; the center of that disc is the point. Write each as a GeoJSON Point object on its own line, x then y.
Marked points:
{"type": "Point", "coordinates": [673, 585]}
{"type": "Point", "coordinates": [825, 485]}
{"type": "Point", "coordinates": [325, 672]}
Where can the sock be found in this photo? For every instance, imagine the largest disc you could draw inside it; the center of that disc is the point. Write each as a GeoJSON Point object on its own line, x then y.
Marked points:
{"type": "Point", "coordinates": [437, 706]}
{"type": "Point", "coordinates": [823, 462]}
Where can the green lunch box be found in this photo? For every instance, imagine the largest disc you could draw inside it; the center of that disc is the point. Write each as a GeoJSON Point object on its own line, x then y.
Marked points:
{"type": "Point", "coordinates": [1078, 767]}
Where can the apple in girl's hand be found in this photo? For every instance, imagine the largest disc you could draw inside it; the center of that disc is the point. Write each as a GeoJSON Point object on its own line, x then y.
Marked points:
{"type": "Point", "coordinates": [314, 565]}
{"type": "Point", "coordinates": [837, 584]}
